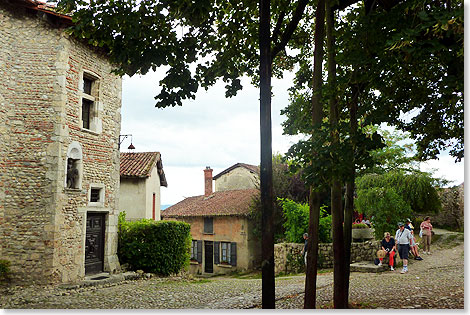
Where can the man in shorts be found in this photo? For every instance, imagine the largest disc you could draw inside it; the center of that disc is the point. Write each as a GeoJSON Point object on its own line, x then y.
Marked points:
{"type": "Point", "coordinates": [403, 239]}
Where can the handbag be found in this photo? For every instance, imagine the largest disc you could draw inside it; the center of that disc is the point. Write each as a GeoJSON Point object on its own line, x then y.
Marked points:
{"type": "Point", "coordinates": [421, 233]}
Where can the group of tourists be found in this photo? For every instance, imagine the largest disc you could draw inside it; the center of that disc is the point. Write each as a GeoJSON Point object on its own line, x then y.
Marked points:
{"type": "Point", "coordinates": [405, 242]}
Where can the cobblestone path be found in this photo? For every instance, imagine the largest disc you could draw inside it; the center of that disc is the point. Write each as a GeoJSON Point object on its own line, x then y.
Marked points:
{"type": "Point", "coordinates": [435, 282]}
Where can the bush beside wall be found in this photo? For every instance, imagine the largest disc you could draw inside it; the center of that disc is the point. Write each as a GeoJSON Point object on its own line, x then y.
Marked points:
{"type": "Point", "coordinates": [160, 247]}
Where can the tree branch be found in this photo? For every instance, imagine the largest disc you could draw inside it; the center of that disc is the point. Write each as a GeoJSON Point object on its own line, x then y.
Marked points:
{"type": "Point", "coordinates": [285, 37]}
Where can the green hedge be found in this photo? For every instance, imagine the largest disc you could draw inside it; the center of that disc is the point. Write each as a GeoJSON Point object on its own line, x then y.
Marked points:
{"type": "Point", "coordinates": [160, 247]}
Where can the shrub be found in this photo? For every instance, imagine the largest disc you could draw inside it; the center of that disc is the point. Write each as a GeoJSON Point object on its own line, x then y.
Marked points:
{"type": "Point", "coordinates": [385, 207]}
{"type": "Point", "coordinates": [4, 269]}
{"type": "Point", "coordinates": [360, 226]}
{"type": "Point", "coordinates": [296, 221]}
{"type": "Point", "coordinates": [160, 247]}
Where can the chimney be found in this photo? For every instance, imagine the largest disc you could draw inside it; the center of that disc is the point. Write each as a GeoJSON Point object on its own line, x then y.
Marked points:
{"type": "Point", "coordinates": [207, 181]}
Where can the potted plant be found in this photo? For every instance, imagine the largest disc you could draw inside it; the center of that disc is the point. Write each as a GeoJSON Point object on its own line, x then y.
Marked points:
{"type": "Point", "coordinates": [362, 231]}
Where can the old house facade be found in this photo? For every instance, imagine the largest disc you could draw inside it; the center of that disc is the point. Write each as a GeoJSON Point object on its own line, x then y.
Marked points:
{"type": "Point", "coordinates": [142, 176]}
{"type": "Point", "coordinates": [223, 232]}
{"type": "Point", "coordinates": [237, 176]}
{"type": "Point", "coordinates": [59, 160]}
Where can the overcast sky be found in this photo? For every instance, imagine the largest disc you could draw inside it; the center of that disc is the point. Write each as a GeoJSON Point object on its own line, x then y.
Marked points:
{"type": "Point", "coordinates": [212, 131]}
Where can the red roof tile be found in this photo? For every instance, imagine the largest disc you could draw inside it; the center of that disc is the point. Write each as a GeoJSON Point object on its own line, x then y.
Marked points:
{"type": "Point", "coordinates": [221, 203]}
{"type": "Point", "coordinates": [141, 164]}
{"type": "Point", "coordinates": [251, 168]}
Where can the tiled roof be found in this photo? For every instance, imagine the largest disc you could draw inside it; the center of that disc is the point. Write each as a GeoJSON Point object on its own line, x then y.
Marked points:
{"type": "Point", "coordinates": [221, 203]}
{"type": "Point", "coordinates": [46, 8]}
{"type": "Point", "coordinates": [251, 168]}
{"type": "Point", "coordinates": [140, 165]}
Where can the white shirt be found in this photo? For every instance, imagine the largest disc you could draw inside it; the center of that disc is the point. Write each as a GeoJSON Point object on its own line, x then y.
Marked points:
{"type": "Point", "coordinates": [403, 237]}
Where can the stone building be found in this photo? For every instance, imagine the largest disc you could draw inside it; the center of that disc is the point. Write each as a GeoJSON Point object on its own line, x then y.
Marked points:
{"type": "Point", "coordinates": [142, 176]}
{"type": "Point", "coordinates": [59, 159]}
{"type": "Point", "coordinates": [223, 233]}
{"type": "Point", "coordinates": [237, 176]}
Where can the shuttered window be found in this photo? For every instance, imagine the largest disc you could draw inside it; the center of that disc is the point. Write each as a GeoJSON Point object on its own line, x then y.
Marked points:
{"type": "Point", "coordinates": [209, 225]}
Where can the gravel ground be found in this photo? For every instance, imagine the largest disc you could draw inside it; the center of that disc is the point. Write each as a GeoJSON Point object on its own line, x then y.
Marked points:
{"type": "Point", "coordinates": [435, 282]}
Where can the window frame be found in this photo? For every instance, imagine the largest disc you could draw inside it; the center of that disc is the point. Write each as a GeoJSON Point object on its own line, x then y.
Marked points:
{"type": "Point", "coordinates": [89, 87]}
{"type": "Point", "coordinates": [101, 199]}
{"type": "Point", "coordinates": [208, 222]}
{"type": "Point", "coordinates": [225, 253]}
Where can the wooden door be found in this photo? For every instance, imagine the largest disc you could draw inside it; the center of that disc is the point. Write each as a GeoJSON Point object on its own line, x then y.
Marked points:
{"type": "Point", "coordinates": [94, 243]}
{"type": "Point", "coordinates": [208, 256]}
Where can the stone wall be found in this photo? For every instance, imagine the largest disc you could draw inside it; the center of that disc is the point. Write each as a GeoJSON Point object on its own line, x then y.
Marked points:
{"type": "Point", "coordinates": [287, 257]}
{"type": "Point", "coordinates": [42, 223]}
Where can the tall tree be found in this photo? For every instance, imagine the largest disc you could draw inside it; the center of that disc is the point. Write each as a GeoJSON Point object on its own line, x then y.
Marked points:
{"type": "Point", "coordinates": [219, 38]}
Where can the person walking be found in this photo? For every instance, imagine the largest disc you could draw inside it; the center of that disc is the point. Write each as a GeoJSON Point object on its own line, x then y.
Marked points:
{"type": "Point", "coordinates": [426, 227]}
{"type": "Point", "coordinates": [304, 250]}
{"type": "Point", "coordinates": [403, 239]}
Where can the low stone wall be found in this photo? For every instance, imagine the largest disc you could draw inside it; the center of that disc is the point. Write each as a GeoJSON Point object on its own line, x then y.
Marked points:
{"type": "Point", "coordinates": [287, 257]}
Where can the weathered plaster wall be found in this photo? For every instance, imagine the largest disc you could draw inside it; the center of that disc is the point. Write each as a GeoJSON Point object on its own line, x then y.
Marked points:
{"type": "Point", "coordinates": [238, 178]}
{"type": "Point", "coordinates": [133, 198]}
{"type": "Point", "coordinates": [153, 187]}
{"type": "Point", "coordinates": [42, 224]}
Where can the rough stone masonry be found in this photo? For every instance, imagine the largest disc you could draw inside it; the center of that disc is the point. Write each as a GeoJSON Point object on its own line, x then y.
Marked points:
{"type": "Point", "coordinates": [42, 221]}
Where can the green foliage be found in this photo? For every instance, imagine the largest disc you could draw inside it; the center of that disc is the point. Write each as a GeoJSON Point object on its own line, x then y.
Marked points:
{"type": "Point", "coordinates": [160, 247]}
{"type": "Point", "coordinates": [4, 269]}
{"type": "Point", "coordinates": [417, 189]}
{"type": "Point", "coordinates": [384, 206]}
{"type": "Point", "coordinates": [360, 226]}
{"type": "Point", "coordinates": [296, 221]}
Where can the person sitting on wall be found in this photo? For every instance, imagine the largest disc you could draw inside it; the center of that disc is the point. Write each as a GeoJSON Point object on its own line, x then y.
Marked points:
{"type": "Point", "coordinates": [413, 245]}
{"type": "Point", "coordinates": [388, 249]}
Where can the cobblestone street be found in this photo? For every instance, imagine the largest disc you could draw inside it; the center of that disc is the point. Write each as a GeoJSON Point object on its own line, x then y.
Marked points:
{"type": "Point", "coordinates": [435, 282]}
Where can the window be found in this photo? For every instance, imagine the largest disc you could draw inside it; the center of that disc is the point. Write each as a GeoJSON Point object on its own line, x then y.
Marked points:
{"type": "Point", "coordinates": [89, 100]}
{"type": "Point", "coordinates": [96, 195]}
{"type": "Point", "coordinates": [225, 252]}
{"type": "Point", "coordinates": [209, 225]}
{"type": "Point", "coordinates": [193, 250]}
{"type": "Point", "coordinates": [87, 106]}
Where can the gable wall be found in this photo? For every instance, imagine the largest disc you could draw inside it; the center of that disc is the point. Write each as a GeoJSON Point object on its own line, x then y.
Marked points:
{"type": "Point", "coordinates": [238, 178]}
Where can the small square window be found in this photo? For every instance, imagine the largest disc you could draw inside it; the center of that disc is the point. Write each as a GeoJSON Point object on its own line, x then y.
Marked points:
{"type": "Point", "coordinates": [95, 194]}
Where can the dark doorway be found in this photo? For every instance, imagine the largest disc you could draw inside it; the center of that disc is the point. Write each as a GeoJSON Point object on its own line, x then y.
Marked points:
{"type": "Point", "coordinates": [208, 256]}
{"type": "Point", "coordinates": [94, 243]}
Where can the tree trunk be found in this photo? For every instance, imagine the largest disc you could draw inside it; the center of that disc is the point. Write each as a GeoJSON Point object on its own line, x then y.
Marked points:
{"type": "Point", "coordinates": [317, 116]}
{"type": "Point", "coordinates": [340, 298]}
{"type": "Point", "coordinates": [350, 185]}
{"type": "Point", "coordinates": [266, 171]}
